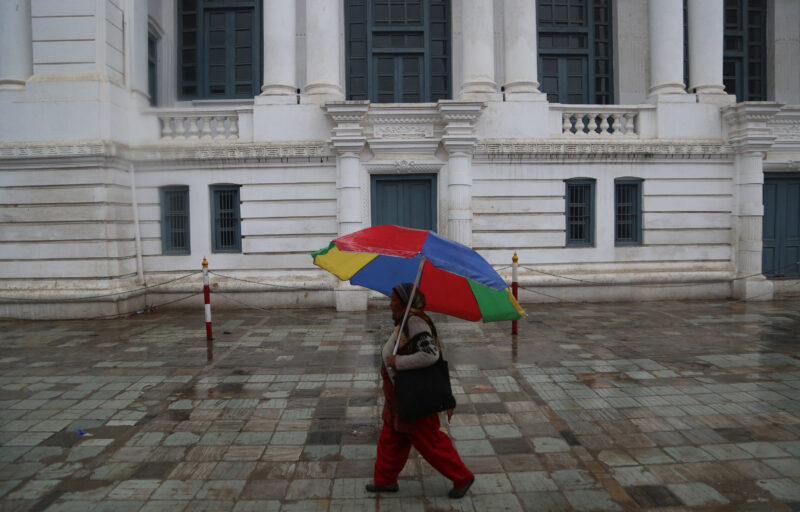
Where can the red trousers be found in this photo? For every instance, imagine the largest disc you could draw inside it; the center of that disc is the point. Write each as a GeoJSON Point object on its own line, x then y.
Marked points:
{"type": "Point", "coordinates": [433, 444]}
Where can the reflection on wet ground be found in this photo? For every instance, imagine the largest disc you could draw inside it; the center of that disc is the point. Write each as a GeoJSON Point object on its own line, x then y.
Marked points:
{"type": "Point", "coordinates": [623, 406]}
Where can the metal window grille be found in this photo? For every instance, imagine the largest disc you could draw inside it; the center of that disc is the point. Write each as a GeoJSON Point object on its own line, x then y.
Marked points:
{"type": "Point", "coordinates": [580, 213]}
{"type": "Point", "coordinates": [398, 50]}
{"type": "Point", "coordinates": [628, 221]}
{"type": "Point", "coordinates": [175, 220]}
{"type": "Point", "coordinates": [226, 228]}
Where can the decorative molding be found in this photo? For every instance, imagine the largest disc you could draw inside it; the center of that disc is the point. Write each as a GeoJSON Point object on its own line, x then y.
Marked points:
{"type": "Point", "coordinates": [234, 152]}
{"type": "Point", "coordinates": [403, 167]}
{"type": "Point", "coordinates": [403, 131]}
{"type": "Point", "coordinates": [39, 150]}
{"type": "Point", "coordinates": [633, 149]}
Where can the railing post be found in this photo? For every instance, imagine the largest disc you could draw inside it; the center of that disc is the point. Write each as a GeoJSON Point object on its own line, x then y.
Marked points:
{"type": "Point", "coordinates": [514, 287]}
{"type": "Point", "coordinates": [207, 300]}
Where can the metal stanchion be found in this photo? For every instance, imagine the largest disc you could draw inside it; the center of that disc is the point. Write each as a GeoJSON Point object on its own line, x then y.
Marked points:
{"type": "Point", "coordinates": [514, 287]}
{"type": "Point", "coordinates": [207, 299]}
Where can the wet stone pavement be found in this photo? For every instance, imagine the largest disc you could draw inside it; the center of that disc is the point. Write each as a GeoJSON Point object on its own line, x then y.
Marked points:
{"type": "Point", "coordinates": [646, 406]}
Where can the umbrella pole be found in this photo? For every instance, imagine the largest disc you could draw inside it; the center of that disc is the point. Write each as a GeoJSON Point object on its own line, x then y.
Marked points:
{"type": "Point", "coordinates": [408, 306]}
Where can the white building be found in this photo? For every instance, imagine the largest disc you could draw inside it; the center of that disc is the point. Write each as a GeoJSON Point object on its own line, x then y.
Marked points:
{"type": "Point", "coordinates": [625, 149]}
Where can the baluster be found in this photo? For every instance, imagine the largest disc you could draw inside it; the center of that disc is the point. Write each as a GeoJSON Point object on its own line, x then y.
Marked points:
{"type": "Point", "coordinates": [630, 124]}
{"type": "Point", "coordinates": [206, 133]}
{"type": "Point", "coordinates": [180, 128]}
{"type": "Point", "coordinates": [604, 124]}
{"type": "Point", "coordinates": [233, 132]}
{"type": "Point", "coordinates": [193, 131]}
{"type": "Point", "coordinates": [615, 128]}
{"type": "Point", "coordinates": [166, 128]}
{"type": "Point", "coordinates": [566, 124]}
{"type": "Point", "coordinates": [592, 124]}
{"type": "Point", "coordinates": [219, 127]}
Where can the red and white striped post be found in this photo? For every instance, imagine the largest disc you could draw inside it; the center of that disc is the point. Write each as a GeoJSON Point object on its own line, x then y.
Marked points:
{"type": "Point", "coordinates": [207, 300]}
{"type": "Point", "coordinates": [514, 287]}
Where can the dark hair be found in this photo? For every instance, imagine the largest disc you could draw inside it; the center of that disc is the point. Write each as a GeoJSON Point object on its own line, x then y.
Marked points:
{"type": "Point", "coordinates": [403, 292]}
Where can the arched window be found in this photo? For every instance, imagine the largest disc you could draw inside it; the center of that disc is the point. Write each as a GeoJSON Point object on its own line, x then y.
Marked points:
{"type": "Point", "coordinates": [575, 51]}
{"type": "Point", "coordinates": [398, 51]}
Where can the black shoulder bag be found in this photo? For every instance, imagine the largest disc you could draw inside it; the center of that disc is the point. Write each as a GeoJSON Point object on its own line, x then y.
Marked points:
{"type": "Point", "coordinates": [424, 391]}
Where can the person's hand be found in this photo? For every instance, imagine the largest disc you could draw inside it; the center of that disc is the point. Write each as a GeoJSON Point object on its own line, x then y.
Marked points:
{"type": "Point", "coordinates": [390, 361]}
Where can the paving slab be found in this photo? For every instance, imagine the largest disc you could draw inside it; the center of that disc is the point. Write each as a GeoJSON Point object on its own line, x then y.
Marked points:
{"type": "Point", "coordinates": [614, 406]}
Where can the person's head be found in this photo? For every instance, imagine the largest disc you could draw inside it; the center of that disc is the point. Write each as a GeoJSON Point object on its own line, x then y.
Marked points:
{"type": "Point", "coordinates": [400, 296]}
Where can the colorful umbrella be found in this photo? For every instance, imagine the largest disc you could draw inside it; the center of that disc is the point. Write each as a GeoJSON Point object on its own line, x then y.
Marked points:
{"type": "Point", "coordinates": [455, 279]}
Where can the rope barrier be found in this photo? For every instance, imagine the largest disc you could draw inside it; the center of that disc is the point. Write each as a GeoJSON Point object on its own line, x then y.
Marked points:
{"type": "Point", "coordinates": [137, 311]}
{"type": "Point", "coordinates": [256, 282]}
{"type": "Point", "coordinates": [655, 285]}
{"type": "Point", "coordinates": [78, 299]}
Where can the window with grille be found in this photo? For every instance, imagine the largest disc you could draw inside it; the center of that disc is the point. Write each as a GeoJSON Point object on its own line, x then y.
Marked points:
{"type": "Point", "coordinates": [152, 68]}
{"type": "Point", "coordinates": [226, 231]}
{"type": "Point", "coordinates": [580, 213]}
{"type": "Point", "coordinates": [628, 212]}
{"type": "Point", "coordinates": [398, 51]}
{"type": "Point", "coordinates": [575, 51]}
{"type": "Point", "coordinates": [219, 48]}
{"type": "Point", "coordinates": [744, 63]}
{"type": "Point", "coordinates": [175, 220]}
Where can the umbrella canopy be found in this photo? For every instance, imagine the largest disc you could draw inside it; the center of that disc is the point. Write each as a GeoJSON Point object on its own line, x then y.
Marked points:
{"type": "Point", "coordinates": [455, 279]}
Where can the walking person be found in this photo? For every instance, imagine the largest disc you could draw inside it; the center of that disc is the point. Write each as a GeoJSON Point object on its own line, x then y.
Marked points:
{"type": "Point", "coordinates": [418, 347]}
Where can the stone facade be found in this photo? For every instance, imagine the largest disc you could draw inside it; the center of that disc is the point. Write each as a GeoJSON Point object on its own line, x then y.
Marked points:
{"type": "Point", "coordinates": [83, 155]}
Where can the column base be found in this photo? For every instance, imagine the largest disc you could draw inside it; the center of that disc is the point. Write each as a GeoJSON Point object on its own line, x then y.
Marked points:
{"type": "Point", "coordinates": [275, 99]}
{"type": "Point", "coordinates": [716, 99]}
{"type": "Point", "coordinates": [525, 96]}
{"type": "Point", "coordinates": [10, 84]}
{"type": "Point", "coordinates": [319, 98]}
{"type": "Point", "coordinates": [682, 97]}
{"type": "Point", "coordinates": [350, 300]}
{"type": "Point", "coordinates": [753, 289]}
{"type": "Point", "coordinates": [671, 88]}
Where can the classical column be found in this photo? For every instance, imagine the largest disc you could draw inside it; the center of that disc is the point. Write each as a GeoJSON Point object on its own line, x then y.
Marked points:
{"type": "Point", "coordinates": [477, 40]}
{"type": "Point", "coordinates": [750, 137]}
{"type": "Point", "coordinates": [459, 140]}
{"type": "Point", "coordinates": [16, 51]}
{"type": "Point", "coordinates": [666, 47]}
{"type": "Point", "coordinates": [348, 140]}
{"type": "Point", "coordinates": [519, 21]}
{"type": "Point", "coordinates": [322, 50]}
{"type": "Point", "coordinates": [705, 46]}
{"type": "Point", "coordinates": [279, 48]}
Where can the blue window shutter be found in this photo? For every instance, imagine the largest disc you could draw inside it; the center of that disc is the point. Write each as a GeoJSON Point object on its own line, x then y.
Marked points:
{"type": "Point", "coordinates": [219, 49]}
{"type": "Point", "coordinates": [405, 200]}
{"type": "Point", "coordinates": [575, 64]}
{"type": "Point", "coordinates": [398, 50]}
{"type": "Point", "coordinates": [175, 220]}
{"type": "Point", "coordinates": [579, 212]}
{"type": "Point", "coordinates": [226, 230]}
{"type": "Point", "coordinates": [781, 225]}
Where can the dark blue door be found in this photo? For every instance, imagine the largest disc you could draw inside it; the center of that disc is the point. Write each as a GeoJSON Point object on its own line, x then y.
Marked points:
{"type": "Point", "coordinates": [781, 230]}
{"type": "Point", "coordinates": [408, 201]}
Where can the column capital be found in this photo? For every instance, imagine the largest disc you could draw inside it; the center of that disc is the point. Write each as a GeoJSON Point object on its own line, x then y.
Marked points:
{"type": "Point", "coordinates": [747, 123]}
{"type": "Point", "coordinates": [348, 134]}
{"type": "Point", "coordinates": [460, 118]}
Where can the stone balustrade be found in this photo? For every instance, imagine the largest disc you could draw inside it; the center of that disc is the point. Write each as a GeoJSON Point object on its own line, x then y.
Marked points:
{"type": "Point", "coordinates": [598, 120]}
{"type": "Point", "coordinates": [192, 124]}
